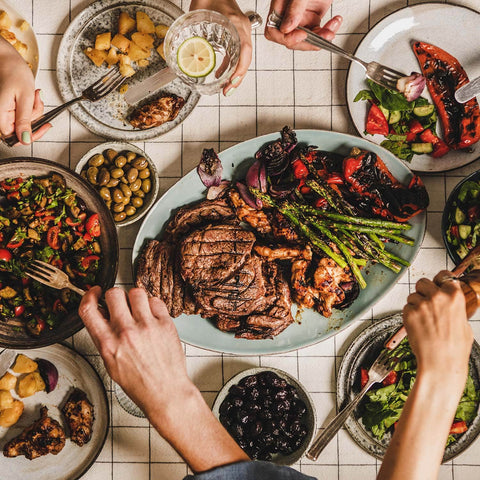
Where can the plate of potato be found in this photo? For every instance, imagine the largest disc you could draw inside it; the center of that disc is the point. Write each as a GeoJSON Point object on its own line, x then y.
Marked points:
{"type": "Point", "coordinates": [127, 35]}
{"type": "Point", "coordinates": [37, 388]}
{"type": "Point", "coordinates": [18, 32]}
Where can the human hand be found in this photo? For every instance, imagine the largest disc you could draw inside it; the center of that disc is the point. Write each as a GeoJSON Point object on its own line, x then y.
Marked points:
{"type": "Point", "coordinates": [438, 330]}
{"type": "Point", "coordinates": [139, 346]}
{"type": "Point", "coordinates": [305, 13]}
{"type": "Point", "coordinates": [20, 103]}
{"type": "Point", "coordinates": [232, 11]}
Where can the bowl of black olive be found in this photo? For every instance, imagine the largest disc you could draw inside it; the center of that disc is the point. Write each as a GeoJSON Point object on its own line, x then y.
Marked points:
{"type": "Point", "coordinates": [268, 413]}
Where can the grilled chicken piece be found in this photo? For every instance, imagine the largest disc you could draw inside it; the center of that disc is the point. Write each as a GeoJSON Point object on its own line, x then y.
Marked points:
{"type": "Point", "coordinates": [156, 113]}
{"type": "Point", "coordinates": [79, 414]}
{"type": "Point", "coordinates": [282, 229]}
{"type": "Point", "coordinates": [44, 436]}
{"type": "Point", "coordinates": [255, 218]}
{"type": "Point", "coordinates": [280, 253]}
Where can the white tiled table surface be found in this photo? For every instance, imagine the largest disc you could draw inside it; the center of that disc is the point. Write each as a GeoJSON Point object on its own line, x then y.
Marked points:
{"type": "Point", "coordinates": [304, 90]}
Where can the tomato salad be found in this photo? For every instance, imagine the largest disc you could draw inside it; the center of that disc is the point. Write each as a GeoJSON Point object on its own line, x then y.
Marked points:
{"type": "Point", "coordinates": [42, 219]}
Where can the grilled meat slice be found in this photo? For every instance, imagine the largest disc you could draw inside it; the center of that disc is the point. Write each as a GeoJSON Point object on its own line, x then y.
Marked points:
{"type": "Point", "coordinates": [212, 255]}
{"type": "Point", "coordinates": [282, 229]}
{"type": "Point", "coordinates": [228, 324]}
{"type": "Point", "coordinates": [79, 414]}
{"type": "Point", "coordinates": [257, 219]}
{"type": "Point", "coordinates": [149, 268]}
{"type": "Point", "coordinates": [156, 113]}
{"type": "Point", "coordinates": [198, 214]}
{"type": "Point", "coordinates": [44, 436]}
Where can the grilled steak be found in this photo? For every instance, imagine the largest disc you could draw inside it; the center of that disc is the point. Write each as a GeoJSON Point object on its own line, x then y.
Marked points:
{"type": "Point", "coordinates": [213, 254]}
{"type": "Point", "coordinates": [44, 436]}
{"type": "Point", "coordinates": [148, 269]}
{"type": "Point", "coordinates": [161, 110]}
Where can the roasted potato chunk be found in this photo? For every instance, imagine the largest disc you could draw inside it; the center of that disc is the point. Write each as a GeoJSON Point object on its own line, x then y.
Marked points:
{"type": "Point", "coordinates": [137, 53]}
{"type": "Point", "coordinates": [143, 40]}
{"type": "Point", "coordinates": [30, 384]}
{"type": "Point", "coordinates": [102, 42]}
{"type": "Point", "coordinates": [24, 364]}
{"type": "Point", "coordinates": [10, 416]}
{"type": "Point", "coordinates": [144, 23]}
{"type": "Point", "coordinates": [126, 70]}
{"type": "Point", "coordinates": [8, 381]}
{"type": "Point", "coordinates": [6, 399]}
{"type": "Point", "coordinates": [161, 31]}
{"type": "Point", "coordinates": [112, 57]}
{"type": "Point", "coordinates": [125, 23]}
{"type": "Point", "coordinates": [121, 42]}
{"type": "Point", "coordinates": [96, 56]}
{"type": "Point", "coordinates": [161, 51]}
{"type": "Point", "coordinates": [5, 20]}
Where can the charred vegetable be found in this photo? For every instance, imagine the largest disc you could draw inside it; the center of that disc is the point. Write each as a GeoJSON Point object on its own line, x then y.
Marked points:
{"type": "Point", "coordinates": [49, 373]}
{"type": "Point", "coordinates": [444, 74]}
{"type": "Point", "coordinates": [210, 168]}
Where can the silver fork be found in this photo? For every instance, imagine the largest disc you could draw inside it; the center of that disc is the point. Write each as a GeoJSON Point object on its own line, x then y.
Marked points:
{"type": "Point", "coordinates": [378, 371]}
{"type": "Point", "coordinates": [101, 88]}
{"type": "Point", "coordinates": [385, 76]}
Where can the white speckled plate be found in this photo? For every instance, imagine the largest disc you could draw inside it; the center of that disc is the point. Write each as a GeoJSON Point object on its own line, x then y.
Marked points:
{"type": "Point", "coordinates": [361, 353]}
{"type": "Point", "coordinates": [75, 71]}
{"type": "Point", "coordinates": [451, 27]}
{"type": "Point", "coordinates": [72, 461]}
{"type": "Point", "coordinates": [27, 37]}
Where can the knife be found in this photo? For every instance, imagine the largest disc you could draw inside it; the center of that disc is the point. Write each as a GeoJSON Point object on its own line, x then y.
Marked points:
{"type": "Point", "coordinates": [6, 360]}
{"type": "Point", "coordinates": [468, 91]}
{"type": "Point", "coordinates": [163, 77]}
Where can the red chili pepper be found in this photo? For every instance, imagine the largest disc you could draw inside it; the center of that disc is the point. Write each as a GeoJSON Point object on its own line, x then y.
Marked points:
{"type": "Point", "coordinates": [52, 237]}
{"type": "Point", "coordinates": [376, 121]}
{"type": "Point", "coordinates": [16, 244]}
{"type": "Point", "coordinates": [363, 377]}
{"type": "Point", "coordinates": [335, 179]}
{"type": "Point", "coordinates": [458, 427]}
{"type": "Point", "coordinates": [86, 261]}
{"type": "Point", "coordinates": [93, 225]}
{"type": "Point", "coordinates": [18, 310]}
{"type": "Point", "coordinates": [444, 74]}
{"type": "Point", "coordinates": [299, 169]}
{"type": "Point", "coordinates": [390, 379]}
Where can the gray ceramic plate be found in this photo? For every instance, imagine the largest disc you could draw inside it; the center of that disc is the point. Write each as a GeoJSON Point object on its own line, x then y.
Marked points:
{"type": "Point", "coordinates": [363, 351]}
{"type": "Point", "coordinates": [312, 327]}
{"type": "Point", "coordinates": [73, 461]}
{"type": "Point", "coordinates": [302, 393]}
{"type": "Point", "coordinates": [75, 71]}
{"type": "Point", "coordinates": [12, 333]}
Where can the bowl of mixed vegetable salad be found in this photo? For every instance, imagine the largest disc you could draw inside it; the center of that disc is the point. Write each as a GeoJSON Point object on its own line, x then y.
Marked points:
{"type": "Point", "coordinates": [49, 213]}
{"type": "Point", "coordinates": [461, 218]}
{"type": "Point", "coordinates": [373, 422]}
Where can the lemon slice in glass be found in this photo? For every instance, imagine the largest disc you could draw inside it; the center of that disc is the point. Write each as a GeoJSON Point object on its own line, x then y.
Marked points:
{"type": "Point", "coordinates": [196, 57]}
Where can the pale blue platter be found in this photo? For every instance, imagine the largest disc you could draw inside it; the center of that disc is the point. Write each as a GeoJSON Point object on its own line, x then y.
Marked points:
{"type": "Point", "coordinates": [313, 328]}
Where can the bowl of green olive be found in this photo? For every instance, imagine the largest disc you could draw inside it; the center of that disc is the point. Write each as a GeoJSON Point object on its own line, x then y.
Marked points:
{"type": "Point", "coordinates": [124, 176]}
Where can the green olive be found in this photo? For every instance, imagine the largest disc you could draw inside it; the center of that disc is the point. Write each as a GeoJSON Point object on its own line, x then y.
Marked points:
{"type": "Point", "coordinates": [143, 174]}
{"type": "Point", "coordinates": [146, 185]}
{"type": "Point", "coordinates": [110, 154]}
{"type": "Point", "coordinates": [92, 174]}
{"type": "Point", "coordinates": [125, 190]}
{"type": "Point", "coordinates": [113, 183]}
{"type": "Point", "coordinates": [103, 177]}
{"type": "Point", "coordinates": [139, 193]}
{"type": "Point", "coordinates": [140, 163]}
{"type": "Point", "coordinates": [130, 156]}
{"type": "Point", "coordinates": [126, 200]}
{"type": "Point", "coordinates": [118, 196]}
{"type": "Point", "coordinates": [130, 210]}
{"type": "Point", "coordinates": [118, 207]}
{"type": "Point", "coordinates": [137, 202]}
{"type": "Point", "coordinates": [105, 194]}
{"type": "Point", "coordinates": [120, 161]}
{"type": "Point", "coordinates": [97, 160]}
{"type": "Point", "coordinates": [132, 175]}
{"type": "Point", "coordinates": [118, 217]}
{"type": "Point", "coordinates": [134, 186]}
{"type": "Point", "coordinates": [116, 173]}
{"type": "Point", "coordinates": [108, 203]}
{"type": "Point", "coordinates": [83, 174]}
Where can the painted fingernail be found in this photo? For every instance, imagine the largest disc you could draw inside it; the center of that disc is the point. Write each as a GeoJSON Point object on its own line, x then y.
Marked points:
{"type": "Point", "coordinates": [26, 137]}
{"type": "Point", "coordinates": [230, 92]}
{"type": "Point", "coordinates": [40, 94]}
{"type": "Point", "coordinates": [235, 80]}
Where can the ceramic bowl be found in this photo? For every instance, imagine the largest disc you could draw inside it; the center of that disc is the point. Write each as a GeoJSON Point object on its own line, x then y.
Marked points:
{"type": "Point", "coordinates": [150, 197]}
{"type": "Point", "coordinates": [310, 419]}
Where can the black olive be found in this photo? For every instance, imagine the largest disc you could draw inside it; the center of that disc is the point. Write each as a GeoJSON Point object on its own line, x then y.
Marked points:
{"type": "Point", "coordinates": [283, 406]}
{"type": "Point", "coordinates": [279, 382]}
{"type": "Point", "coordinates": [237, 390]}
{"type": "Point", "coordinates": [256, 428]}
{"type": "Point", "coordinates": [237, 402]}
{"type": "Point", "coordinates": [225, 407]}
{"type": "Point", "coordinates": [281, 395]}
{"type": "Point", "coordinates": [266, 414]}
{"type": "Point", "coordinates": [299, 407]}
{"type": "Point", "coordinates": [252, 407]}
{"type": "Point", "coordinates": [249, 381]}
{"type": "Point", "coordinates": [253, 393]}
{"type": "Point", "coordinates": [238, 430]}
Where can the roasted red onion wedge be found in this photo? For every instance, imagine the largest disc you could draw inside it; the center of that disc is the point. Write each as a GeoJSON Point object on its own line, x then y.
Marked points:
{"type": "Point", "coordinates": [248, 197]}
{"type": "Point", "coordinates": [49, 373]}
{"type": "Point", "coordinates": [257, 176]}
{"type": "Point", "coordinates": [210, 168]}
{"type": "Point", "coordinates": [411, 86]}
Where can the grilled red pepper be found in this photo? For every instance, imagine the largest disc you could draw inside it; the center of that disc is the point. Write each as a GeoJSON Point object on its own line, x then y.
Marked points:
{"type": "Point", "coordinates": [444, 74]}
{"type": "Point", "coordinates": [458, 427]}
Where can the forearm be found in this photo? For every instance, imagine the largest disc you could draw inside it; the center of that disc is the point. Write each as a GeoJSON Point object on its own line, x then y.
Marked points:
{"type": "Point", "coordinates": [190, 427]}
{"type": "Point", "coordinates": [416, 449]}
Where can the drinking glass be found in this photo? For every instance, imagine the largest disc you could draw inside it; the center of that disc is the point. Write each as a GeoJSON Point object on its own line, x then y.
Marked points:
{"type": "Point", "coordinates": [219, 31]}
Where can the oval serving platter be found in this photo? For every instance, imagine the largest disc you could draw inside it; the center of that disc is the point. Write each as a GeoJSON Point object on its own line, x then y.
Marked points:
{"type": "Point", "coordinates": [313, 327]}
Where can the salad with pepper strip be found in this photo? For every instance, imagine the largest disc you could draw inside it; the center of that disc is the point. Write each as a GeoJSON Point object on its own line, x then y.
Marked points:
{"type": "Point", "coordinates": [381, 408]}
{"type": "Point", "coordinates": [42, 219]}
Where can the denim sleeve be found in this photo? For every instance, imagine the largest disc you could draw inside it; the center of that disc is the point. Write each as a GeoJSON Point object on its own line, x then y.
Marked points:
{"type": "Point", "coordinates": [250, 471]}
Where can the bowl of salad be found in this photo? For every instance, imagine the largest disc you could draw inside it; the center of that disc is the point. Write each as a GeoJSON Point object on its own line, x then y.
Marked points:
{"type": "Point", "coordinates": [461, 218]}
{"type": "Point", "coordinates": [373, 422]}
{"type": "Point", "coordinates": [49, 213]}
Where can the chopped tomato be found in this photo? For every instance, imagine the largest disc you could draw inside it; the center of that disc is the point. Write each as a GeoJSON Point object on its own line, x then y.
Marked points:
{"type": "Point", "coordinates": [376, 121]}
{"type": "Point", "coordinates": [427, 136]}
{"type": "Point", "coordinates": [321, 203]}
{"type": "Point", "coordinates": [473, 213]}
{"type": "Point", "coordinates": [5, 255]}
{"type": "Point", "coordinates": [88, 237]}
{"type": "Point", "coordinates": [458, 427]}
{"type": "Point", "coordinates": [18, 310]}
{"type": "Point", "coordinates": [93, 225]}
{"type": "Point", "coordinates": [1, 236]}
{"type": "Point", "coordinates": [415, 126]}
{"type": "Point", "coordinates": [440, 148]}
{"type": "Point", "coordinates": [13, 185]}
{"type": "Point", "coordinates": [56, 262]}
{"type": "Point", "coordinates": [58, 306]}
{"type": "Point", "coordinates": [36, 326]}
{"type": "Point", "coordinates": [299, 170]}
{"type": "Point", "coordinates": [52, 237]}
{"type": "Point", "coordinates": [73, 222]}
{"type": "Point", "coordinates": [86, 262]}
{"type": "Point", "coordinates": [305, 189]}
{"type": "Point", "coordinates": [25, 281]}
{"type": "Point", "coordinates": [454, 231]}
{"type": "Point", "coordinates": [411, 136]}
{"type": "Point", "coordinates": [15, 244]}
{"type": "Point", "coordinates": [363, 377]}
{"type": "Point", "coordinates": [390, 379]}
{"type": "Point", "coordinates": [15, 195]}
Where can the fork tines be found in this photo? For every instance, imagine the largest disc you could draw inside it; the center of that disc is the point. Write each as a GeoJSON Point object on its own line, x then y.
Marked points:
{"type": "Point", "coordinates": [106, 84]}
